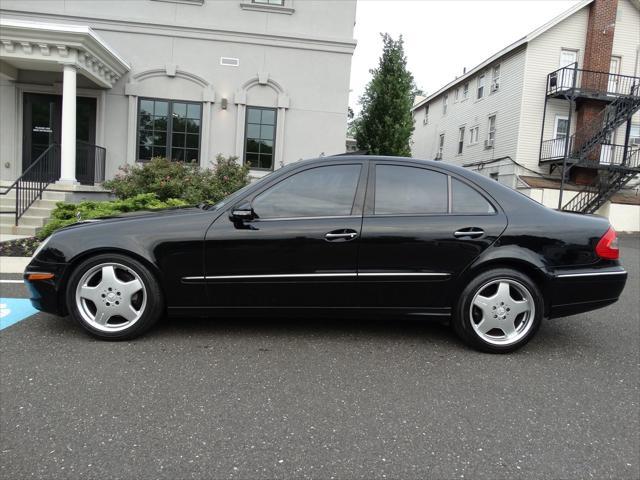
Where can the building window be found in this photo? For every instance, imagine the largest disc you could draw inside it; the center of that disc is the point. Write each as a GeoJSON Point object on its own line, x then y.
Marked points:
{"type": "Point", "coordinates": [481, 80]}
{"type": "Point", "coordinates": [440, 147]}
{"type": "Point", "coordinates": [425, 121]}
{"type": "Point", "coordinates": [491, 133]}
{"type": "Point", "coordinates": [169, 129]}
{"type": "Point", "coordinates": [269, 2]}
{"type": "Point", "coordinates": [473, 135]}
{"type": "Point", "coordinates": [465, 91]}
{"type": "Point", "coordinates": [445, 102]}
{"type": "Point", "coordinates": [460, 140]}
{"type": "Point", "coordinates": [634, 134]}
{"type": "Point", "coordinates": [456, 95]}
{"type": "Point", "coordinates": [260, 136]}
{"type": "Point", "coordinates": [495, 79]}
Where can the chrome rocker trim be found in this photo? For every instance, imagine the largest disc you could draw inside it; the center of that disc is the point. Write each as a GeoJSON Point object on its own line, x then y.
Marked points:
{"type": "Point", "coordinates": [591, 274]}
{"type": "Point", "coordinates": [316, 275]}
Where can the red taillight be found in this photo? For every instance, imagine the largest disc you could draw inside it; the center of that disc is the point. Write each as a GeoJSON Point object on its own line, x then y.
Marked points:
{"type": "Point", "coordinates": [607, 247]}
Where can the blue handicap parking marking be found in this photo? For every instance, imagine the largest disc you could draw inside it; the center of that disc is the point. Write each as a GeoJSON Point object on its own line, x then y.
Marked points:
{"type": "Point", "coordinates": [13, 310]}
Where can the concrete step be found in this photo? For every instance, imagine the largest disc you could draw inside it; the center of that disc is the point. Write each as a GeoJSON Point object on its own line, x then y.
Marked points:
{"type": "Point", "coordinates": [10, 203]}
{"type": "Point", "coordinates": [11, 229]}
{"type": "Point", "coordinates": [46, 195]}
{"type": "Point", "coordinates": [27, 220]}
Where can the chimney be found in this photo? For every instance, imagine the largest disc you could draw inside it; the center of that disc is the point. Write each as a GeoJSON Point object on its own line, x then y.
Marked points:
{"type": "Point", "coordinates": [597, 57]}
{"type": "Point", "coordinates": [600, 29]}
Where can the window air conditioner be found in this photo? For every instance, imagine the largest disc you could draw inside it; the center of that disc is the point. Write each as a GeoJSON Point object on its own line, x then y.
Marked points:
{"type": "Point", "coordinates": [488, 143]}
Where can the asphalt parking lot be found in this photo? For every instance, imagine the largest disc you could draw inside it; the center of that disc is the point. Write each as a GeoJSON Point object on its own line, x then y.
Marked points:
{"type": "Point", "coordinates": [256, 398]}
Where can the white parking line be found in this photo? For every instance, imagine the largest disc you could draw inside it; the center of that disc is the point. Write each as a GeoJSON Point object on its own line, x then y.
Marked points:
{"type": "Point", "coordinates": [11, 281]}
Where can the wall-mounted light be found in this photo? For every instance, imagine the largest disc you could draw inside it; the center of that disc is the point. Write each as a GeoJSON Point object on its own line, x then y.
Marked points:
{"type": "Point", "coordinates": [223, 103]}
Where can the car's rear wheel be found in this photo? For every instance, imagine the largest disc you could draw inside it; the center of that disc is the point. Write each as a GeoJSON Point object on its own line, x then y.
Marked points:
{"type": "Point", "coordinates": [499, 311]}
{"type": "Point", "coordinates": [114, 297]}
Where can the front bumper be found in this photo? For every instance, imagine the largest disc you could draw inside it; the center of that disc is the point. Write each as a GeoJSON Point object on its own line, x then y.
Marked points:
{"type": "Point", "coordinates": [47, 295]}
{"type": "Point", "coordinates": [578, 291]}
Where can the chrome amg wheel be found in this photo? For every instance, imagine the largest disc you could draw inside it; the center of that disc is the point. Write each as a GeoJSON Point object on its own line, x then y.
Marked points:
{"type": "Point", "coordinates": [498, 311]}
{"type": "Point", "coordinates": [114, 296]}
{"type": "Point", "coordinates": [502, 311]}
{"type": "Point", "coordinates": [111, 297]}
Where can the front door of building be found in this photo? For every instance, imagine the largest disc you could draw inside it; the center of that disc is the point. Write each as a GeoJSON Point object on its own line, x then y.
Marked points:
{"type": "Point", "coordinates": [567, 59]}
{"type": "Point", "coordinates": [42, 127]}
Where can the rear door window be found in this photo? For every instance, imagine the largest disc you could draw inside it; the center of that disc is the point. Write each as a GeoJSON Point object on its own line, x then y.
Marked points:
{"type": "Point", "coordinates": [404, 190]}
{"type": "Point", "coordinates": [465, 199]}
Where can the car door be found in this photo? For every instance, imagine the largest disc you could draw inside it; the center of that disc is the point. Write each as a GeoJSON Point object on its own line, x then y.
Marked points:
{"type": "Point", "coordinates": [293, 243]}
{"type": "Point", "coordinates": [421, 228]}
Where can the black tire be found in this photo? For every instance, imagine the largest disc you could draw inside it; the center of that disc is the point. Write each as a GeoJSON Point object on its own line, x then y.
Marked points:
{"type": "Point", "coordinates": [465, 317]}
{"type": "Point", "coordinates": [151, 311]}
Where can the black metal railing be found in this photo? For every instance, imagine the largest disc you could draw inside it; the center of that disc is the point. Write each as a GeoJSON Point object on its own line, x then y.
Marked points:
{"type": "Point", "coordinates": [592, 197]}
{"type": "Point", "coordinates": [574, 80]}
{"type": "Point", "coordinates": [555, 148]}
{"type": "Point", "coordinates": [43, 171]}
{"type": "Point", "coordinates": [90, 162]}
{"type": "Point", "coordinates": [585, 143]}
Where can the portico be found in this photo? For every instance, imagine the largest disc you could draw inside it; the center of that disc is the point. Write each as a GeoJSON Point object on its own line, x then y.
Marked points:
{"type": "Point", "coordinates": [67, 52]}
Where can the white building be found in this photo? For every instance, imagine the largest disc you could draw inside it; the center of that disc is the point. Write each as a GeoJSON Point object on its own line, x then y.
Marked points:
{"type": "Point", "coordinates": [104, 83]}
{"type": "Point", "coordinates": [509, 116]}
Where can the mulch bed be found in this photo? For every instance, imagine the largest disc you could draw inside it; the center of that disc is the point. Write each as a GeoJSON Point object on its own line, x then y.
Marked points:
{"type": "Point", "coordinates": [19, 248]}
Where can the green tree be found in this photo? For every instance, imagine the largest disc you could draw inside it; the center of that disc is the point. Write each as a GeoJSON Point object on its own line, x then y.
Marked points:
{"type": "Point", "coordinates": [385, 124]}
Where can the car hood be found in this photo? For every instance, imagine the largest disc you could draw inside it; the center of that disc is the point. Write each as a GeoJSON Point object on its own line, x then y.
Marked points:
{"type": "Point", "coordinates": [163, 213]}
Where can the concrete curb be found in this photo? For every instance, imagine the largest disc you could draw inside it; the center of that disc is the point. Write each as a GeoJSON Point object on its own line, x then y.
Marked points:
{"type": "Point", "coordinates": [13, 264]}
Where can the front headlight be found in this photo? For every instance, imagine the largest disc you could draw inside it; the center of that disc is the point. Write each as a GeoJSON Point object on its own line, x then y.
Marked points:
{"type": "Point", "coordinates": [41, 246]}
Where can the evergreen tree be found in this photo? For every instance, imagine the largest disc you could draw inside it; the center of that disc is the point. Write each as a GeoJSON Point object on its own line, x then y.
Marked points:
{"type": "Point", "coordinates": [385, 124]}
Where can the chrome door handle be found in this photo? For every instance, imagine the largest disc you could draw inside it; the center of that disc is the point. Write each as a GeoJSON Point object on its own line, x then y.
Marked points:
{"type": "Point", "coordinates": [471, 233]}
{"type": "Point", "coordinates": [333, 236]}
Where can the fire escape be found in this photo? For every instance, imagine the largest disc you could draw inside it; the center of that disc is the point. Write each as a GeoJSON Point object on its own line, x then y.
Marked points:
{"type": "Point", "coordinates": [592, 145]}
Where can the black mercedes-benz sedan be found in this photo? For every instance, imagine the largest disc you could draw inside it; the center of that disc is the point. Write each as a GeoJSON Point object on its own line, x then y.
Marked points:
{"type": "Point", "coordinates": [373, 236]}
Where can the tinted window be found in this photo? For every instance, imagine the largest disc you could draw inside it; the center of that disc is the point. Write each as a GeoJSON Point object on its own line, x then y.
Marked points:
{"type": "Point", "coordinates": [467, 200]}
{"type": "Point", "coordinates": [409, 190]}
{"type": "Point", "coordinates": [318, 192]}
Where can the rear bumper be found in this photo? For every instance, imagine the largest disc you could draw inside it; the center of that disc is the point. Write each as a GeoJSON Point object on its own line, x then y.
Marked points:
{"type": "Point", "coordinates": [577, 291]}
{"type": "Point", "coordinates": [47, 295]}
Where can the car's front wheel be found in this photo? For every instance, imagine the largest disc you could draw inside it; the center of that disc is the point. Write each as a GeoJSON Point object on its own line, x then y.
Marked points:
{"type": "Point", "coordinates": [114, 297]}
{"type": "Point", "coordinates": [499, 311]}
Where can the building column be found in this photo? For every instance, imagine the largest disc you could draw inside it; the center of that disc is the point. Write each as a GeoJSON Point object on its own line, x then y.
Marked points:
{"type": "Point", "coordinates": [68, 147]}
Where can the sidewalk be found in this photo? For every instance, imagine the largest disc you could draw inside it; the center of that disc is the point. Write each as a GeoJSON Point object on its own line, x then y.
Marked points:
{"type": "Point", "coordinates": [13, 264]}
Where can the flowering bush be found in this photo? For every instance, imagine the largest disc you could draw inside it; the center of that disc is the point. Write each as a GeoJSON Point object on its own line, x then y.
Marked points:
{"type": "Point", "coordinates": [180, 180]}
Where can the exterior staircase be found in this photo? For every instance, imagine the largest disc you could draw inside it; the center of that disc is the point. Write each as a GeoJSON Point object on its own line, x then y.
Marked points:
{"type": "Point", "coordinates": [34, 218]}
{"type": "Point", "coordinates": [590, 146]}
{"type": "Point", "coordinates": [617, 164]}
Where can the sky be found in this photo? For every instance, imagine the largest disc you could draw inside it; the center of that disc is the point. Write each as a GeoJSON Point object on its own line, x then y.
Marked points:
{"type": "Point", "coordinates": [442, 36]}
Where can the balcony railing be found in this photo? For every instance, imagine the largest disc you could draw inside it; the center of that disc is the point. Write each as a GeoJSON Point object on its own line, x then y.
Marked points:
{"type": "Point", "coordinates": [573, 80]}
{"type": "Point", "coordinates": [606, 154]}
{"type": "Point", "coordinates": [90, 162]}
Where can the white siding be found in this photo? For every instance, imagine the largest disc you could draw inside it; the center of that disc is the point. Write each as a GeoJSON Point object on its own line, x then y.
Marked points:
{"type": "Point", "coordinates": [504, 104]}
{"type": "Point", "coordinates": [542, 58]}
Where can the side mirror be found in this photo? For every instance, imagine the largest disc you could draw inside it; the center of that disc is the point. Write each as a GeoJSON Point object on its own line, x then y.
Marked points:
{"type": "Point", "coordinates": [241, 212]}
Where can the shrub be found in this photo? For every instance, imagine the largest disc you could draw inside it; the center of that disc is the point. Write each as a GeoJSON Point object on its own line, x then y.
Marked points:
{"type": "Point", "coordinates": [185, 181]}
{"type": "Point", "coordinates": [68, 213]}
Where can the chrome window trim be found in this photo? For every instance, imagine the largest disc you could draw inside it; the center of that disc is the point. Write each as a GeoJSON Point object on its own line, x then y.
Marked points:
{"type": "Point", "coordinates": [325, 217]}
